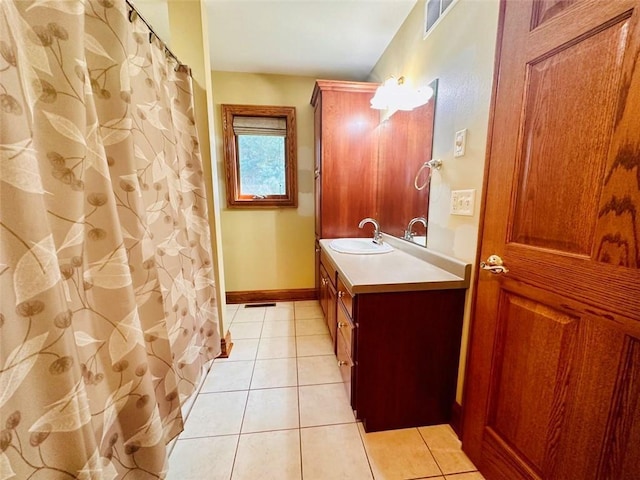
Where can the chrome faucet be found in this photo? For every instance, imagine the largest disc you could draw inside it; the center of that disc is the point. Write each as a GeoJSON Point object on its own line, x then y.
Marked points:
{"type": "Point", "coordinates": [377, 236]}
{"type": "Point", "coordinates": [408, 233]}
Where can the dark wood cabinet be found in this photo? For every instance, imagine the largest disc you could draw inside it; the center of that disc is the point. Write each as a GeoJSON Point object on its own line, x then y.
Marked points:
{"type": "Point", "coordinates": [407, 354]}
{"type": "Point", "coordinates": [346, 157]}
{"type": "Point", "coordinates": [398, 352]}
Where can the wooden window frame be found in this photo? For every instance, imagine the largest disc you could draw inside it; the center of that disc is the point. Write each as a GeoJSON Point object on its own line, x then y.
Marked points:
{"type": "Point", "coordinates": [234, 197]}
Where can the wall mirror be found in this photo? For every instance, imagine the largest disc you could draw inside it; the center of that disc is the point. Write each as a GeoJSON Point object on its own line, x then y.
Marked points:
{"type": "Point", "coordinates": [406, 142]}
{"type": "Point", "coordinates": [260, 155]}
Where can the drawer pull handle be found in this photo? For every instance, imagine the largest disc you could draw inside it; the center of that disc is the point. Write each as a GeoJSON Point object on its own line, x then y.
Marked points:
{"type": "Point", "coordinates": [342, 363]}
{"type": "Point", "coordinates": [341, 324]}
{"type": "Point", "coordinates": [340, 294]}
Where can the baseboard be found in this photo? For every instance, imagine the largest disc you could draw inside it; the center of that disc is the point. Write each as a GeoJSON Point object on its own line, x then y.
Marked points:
{"type": "Point", "coordinates": [226, 345]}
{"type": "Point", "coordinates": [272, 295]}
{"type": "Point", "coordinates": [456, 418]}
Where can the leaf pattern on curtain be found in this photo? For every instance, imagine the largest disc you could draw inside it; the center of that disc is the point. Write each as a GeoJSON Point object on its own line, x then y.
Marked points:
{"type": "Point", "coordinates": [108, 307]}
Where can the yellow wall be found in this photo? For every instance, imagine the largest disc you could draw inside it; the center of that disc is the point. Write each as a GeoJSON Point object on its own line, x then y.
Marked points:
{"type": "Point", "coordinates": [459, 52]}
{"type": "Point", "coordinates": [268, 249]}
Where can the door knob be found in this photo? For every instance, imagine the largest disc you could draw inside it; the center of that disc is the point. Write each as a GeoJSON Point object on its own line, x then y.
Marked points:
{"type": "Point", "coordinates": [494, 264]}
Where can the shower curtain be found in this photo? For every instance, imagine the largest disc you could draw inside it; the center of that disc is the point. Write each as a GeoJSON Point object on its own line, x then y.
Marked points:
{"type": "Point", "coordinates": [107, 300]}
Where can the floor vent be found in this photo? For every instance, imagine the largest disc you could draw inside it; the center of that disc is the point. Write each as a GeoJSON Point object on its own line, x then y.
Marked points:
{"type": "Point", "coordinates": [255, 305]}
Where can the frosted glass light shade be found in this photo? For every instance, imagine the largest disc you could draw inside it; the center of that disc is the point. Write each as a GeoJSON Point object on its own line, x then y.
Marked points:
{"type": "Point", "coordinates": [395, 94]}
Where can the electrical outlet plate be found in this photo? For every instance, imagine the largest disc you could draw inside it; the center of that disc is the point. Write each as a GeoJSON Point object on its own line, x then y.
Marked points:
{"type": "Point", "coordinates": [460, 143]}
{"type": "Point", "coordinates": [462, 202]}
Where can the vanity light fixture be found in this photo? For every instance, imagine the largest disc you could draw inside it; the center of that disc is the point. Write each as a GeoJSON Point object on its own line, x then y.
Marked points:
{"type": "Point", "coordinates": [395, 94]}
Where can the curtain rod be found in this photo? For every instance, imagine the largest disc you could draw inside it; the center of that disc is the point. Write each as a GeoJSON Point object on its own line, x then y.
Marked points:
{"type": "Point", "coordinates": [152, 32]}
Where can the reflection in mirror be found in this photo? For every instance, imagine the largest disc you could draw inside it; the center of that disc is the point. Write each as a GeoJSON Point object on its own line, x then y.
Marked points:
{"type": "Point", "coordinates": [406, 141]}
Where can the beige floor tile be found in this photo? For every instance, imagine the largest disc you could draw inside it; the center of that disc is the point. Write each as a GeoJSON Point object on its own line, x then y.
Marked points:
{"type": "Point", "coordinates": [466, 476]}
{"type": "Point", "coordinates": [268, 456]}
{"type": "Point", "coordinates": [333, 452]}
{"type": "Point", "coordinates": [273, 373]}
{"type": "Point", "coordinates": [278, 328]}
{"type": "Point", "coordinates": [198, 458]}
{"type": "Point", "coordinates": [249, 314]}
{"type": "Point", "coordinates": [445, 447]}
{"type": "Point", "coordinates": [306, 303]}
{"type": "Point", "coordinates": [228, 376]}
{"type": "Point", "coordinates": [187, 404]}
{"type": "Point", "coordinates": [288, 305]}
{"type": "Point", "coordinates": [279, 313]}
{"type": "Point", "coordinates": [324, 405]}
{"type": "Point", "coordinates": [313, 311]}
{"type": "Point", "coordinates": [398, 454]}
{"type": "Point", "coordinates": [242, 330]}
{"type": "Point", "coordinates": [313, 326]}
{"type": "Point", "coordinates": [215, 414]}
{"type": "Point", "coordinates": [319, 369]}
{"type": "Point", "coordinates": [276, 347]}
{"type": "Point", "coordinates": [271, 409]}
{"type": "Point", "coordinates": [312, 345]}
{"type": "Point", "coordinates": [243, 349]}
{"type": "Point", "coordinates": [231, 312]}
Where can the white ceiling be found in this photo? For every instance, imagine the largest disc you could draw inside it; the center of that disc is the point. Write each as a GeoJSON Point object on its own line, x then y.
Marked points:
{"type": "Point", "coordinates": [338, 39]}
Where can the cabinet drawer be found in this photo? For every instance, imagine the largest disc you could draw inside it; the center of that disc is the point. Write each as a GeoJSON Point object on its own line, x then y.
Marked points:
{"type": "Point", "coordinates": [345, 298]}
{"type": "Point", "coordinates": [346, 365]}
{"type": "Point", "coordinates": [328, 266]}
{"type": "Point", "coordinates": [345, 329]}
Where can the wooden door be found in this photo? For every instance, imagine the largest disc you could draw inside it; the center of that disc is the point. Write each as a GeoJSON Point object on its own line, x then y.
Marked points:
{"type": "Point", "coordinates": [553, 381]}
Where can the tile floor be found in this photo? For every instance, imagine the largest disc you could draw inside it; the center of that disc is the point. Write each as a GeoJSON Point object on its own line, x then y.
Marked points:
{"type": "Point", "coordinates": [276, 410]}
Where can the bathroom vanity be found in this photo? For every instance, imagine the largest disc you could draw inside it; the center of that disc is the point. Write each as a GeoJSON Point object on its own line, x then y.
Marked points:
{"type": "Point", "coordinates": [396, 320]}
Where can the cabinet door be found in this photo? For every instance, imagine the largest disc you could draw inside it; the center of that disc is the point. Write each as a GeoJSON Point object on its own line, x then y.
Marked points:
{"type": "Point", "coordinates": [345, 351]}
{"type": "Point", "coordinates": [349, 163]}
{"type": "Point", "coordinates": [323, 293]}
{"type": "Point", "coordinates": [347, 368]}
{"type": "Point", "coordinates": [331, 313]}
{"type": "Point", "coordinates": [317, 171]}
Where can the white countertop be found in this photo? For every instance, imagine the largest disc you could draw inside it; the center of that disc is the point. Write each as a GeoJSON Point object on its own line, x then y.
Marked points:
{"type": "Point", "coordinates": [396, 271]}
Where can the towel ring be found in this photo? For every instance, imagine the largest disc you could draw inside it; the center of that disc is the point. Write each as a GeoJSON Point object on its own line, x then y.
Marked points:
{"type": "Point", "coordinates": [431, 164]}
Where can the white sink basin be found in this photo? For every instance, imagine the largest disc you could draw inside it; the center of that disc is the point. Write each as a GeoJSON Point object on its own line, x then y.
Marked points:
{"type": "Point", "coordinates": [359, 246]}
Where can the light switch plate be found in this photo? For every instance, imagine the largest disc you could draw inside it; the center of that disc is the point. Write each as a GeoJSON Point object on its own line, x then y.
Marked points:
{"type": "Point", "coordinates": [462, 202]}
{"type": "Point", "coordinates": [460, 143]}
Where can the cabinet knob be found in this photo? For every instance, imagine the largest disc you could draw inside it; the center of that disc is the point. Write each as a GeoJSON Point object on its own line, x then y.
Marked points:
{"type": "Point", "coordinates": [317, 250]}
{"type": "Point", "coordinates": [323, 282]}
{"type": "Point", "coordinates": [316, 173]}
{"type": "Point", "coordinates": [341, 324]}
{"type": "Point", "coordinates": [342, 363]}
{"type": "Point", "coordinates": [340, 294]}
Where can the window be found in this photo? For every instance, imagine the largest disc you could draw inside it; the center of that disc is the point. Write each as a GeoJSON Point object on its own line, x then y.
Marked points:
{"type": "Point", "coordinates": [434, 10]}
{"type": "Point", "coordinates": [260, 155]}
